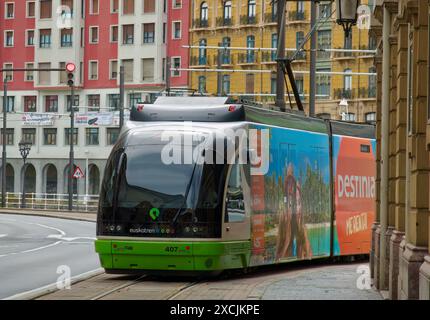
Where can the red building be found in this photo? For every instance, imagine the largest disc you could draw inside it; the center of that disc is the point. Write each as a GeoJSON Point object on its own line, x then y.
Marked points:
{"type": "Point", "coordinates": [178, 35]}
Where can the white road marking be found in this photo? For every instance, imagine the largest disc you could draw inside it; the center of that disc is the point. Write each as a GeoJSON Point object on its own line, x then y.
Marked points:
{"type": "Point", "coordinates": [3, 235]}
{"type": "Point", "coordinates": [58, 236]}
{"type": "Point", "coordinates": [41, 248]}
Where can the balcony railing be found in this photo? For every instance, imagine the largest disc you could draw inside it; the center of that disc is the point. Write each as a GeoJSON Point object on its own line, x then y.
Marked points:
{"type": "Point", "coordinates": [198, 23]}
{"type": "Point", "coordinates": [270, 17]}
{"type": "Point", "coordinates": [268, 56]}
{"type": "Point", "coordinates": [249, 57]}
{"type": "Point", "coordinates": [198, 61]}
{"type": "Point", "coordinates": [224, 22]}
{"type": "Point", "coordinates": [245, 19]}
{"type": "Point", "coordinates": [297, 15]}
{"type": "Point", "coordinates": [355, 93]}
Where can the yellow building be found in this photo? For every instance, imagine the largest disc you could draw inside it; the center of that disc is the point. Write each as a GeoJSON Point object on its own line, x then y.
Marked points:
{"type": "Point", "coordinates": [251, 24]}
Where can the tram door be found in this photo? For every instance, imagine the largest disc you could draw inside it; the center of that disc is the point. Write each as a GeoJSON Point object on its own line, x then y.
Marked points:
{"type": "Point", "coordinates": [236, 225]}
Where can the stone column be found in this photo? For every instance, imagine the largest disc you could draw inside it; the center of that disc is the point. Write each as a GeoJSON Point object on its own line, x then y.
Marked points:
{"type": "Point", "coordinates": [417, 214]}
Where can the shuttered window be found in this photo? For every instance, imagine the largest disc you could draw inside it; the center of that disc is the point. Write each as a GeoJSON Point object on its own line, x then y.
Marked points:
{"type": "Point", "coordinates": [44, 76]}
{"type": "Point", "coordinates": [45, 9]}
{"type": "Point", "coordinates": [128, 69]}
{"type": "Point", "coordinates": [147, 69]}
{"type": "Point", "coordinates": [128, 7]}
{"type": "Point", "coordinates": [148, 6]}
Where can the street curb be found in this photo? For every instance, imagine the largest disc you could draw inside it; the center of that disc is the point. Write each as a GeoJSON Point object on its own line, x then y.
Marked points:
{"type": "Point", "coordinates": [53, 215]}
{"type": "Point", "coordinates": [51, 288]}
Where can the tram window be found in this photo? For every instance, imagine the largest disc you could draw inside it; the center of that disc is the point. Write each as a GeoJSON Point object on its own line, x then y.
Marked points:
{"type": "Point", "coordinates": [365, 148]}
{"type": "Point", "coordinates": [234, 206]}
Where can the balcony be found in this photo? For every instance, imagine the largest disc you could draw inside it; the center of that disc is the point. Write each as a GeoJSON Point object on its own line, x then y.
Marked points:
{"type": "Point", "coordinates": [343, 55]}
{"type": "Point", "coordinates": [224, 22]}
{"type": "Point", "coordinates": [247, 58]}
{"type": "Point", "coordinates": [297, 16]}
{"type": "Point", "coordinates": [197, 61]}
{"type": "Point", "coordinates": [271, 17]}
{"type": "Point", "coordinates": [355, 93]}
{"type": "Point", "coordinates": [268, 57]}
{"type": "Point", "coordinates": [198, 23]}
{"type": "Point", "coordinates": [226, 59]}
{"type": "Point", "coordinates": [247, 20]}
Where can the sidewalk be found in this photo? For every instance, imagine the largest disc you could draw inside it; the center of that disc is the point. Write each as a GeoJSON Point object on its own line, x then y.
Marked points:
{"type": "Point", "coordinates": [74, 215]}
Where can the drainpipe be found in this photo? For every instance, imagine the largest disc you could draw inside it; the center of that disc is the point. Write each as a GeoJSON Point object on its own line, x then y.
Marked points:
{"type": "Point", "coordinates": [384, 144]}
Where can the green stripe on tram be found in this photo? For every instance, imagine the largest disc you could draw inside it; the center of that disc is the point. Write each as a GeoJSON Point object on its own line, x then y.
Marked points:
{"type": "Point", "coordinates": [171, 255]}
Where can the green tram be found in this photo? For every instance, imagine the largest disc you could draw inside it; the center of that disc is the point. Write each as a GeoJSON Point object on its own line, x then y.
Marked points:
{"type": "Point", "coordinates": [196, 185]}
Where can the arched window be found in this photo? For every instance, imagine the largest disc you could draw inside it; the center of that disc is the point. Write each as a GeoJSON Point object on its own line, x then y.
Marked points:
{"type": "Point", "coordinates": [370, 117]}
{"type": "Point", "coordinates": [250, 54]}
{"type": "Point", "coordinates": [204, 12]}
{"type": "Point", "coordinates": [251, 8]}
{"type": "Point", "coordinates": [94, 180]}
{"type": "Point", "coordinates": [10, 178]}
{"type": "Point", "coordinates": [29, 175]}
{"type": "Point", "coordinates": [202, 84]}
{"type": "Point", "coordinates": [227, 11]}
{"type": "Point", "coordinates": [226, 42]}
{"type": "Point", "coordinates": [51, 179]}
{"type": "Point", "coordinates": [202, 52]}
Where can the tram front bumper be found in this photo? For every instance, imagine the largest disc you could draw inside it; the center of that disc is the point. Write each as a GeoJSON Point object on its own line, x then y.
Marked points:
{"type": "Point", "coordinates": [170, 255]}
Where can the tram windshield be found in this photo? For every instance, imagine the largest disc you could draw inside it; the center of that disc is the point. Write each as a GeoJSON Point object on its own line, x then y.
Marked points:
{"type": "Point", "coordinates": [144, 197]}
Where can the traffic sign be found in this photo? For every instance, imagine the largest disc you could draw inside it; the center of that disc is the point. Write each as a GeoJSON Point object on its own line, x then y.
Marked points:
{"type": "Point", "coordinates": [78, 174]}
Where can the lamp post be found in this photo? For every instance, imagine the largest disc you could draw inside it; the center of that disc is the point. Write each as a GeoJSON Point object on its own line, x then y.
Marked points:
{"type": "Point", "coordinates": [24, 149]}
{"type": "Point", "coordinates": [347, 14]}
{"type": "Point", "coordinates": [343, 109]}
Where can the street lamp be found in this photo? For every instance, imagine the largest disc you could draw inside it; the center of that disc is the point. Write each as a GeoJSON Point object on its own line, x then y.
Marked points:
{"type": "Point", "coordinates": [347, 14]}
{"type": "Point", "coordinates": [343, 109]}
{"type": "Point", "coordinates": [24, 149]}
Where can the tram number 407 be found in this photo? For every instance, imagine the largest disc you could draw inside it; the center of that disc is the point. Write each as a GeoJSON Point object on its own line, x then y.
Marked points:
{"type": "Point", "coordinates": [171, 249]}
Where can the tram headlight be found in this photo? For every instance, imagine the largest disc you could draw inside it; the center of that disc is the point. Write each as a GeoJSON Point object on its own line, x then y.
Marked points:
{"type": "Point", "coordinates": [112, 228]}
{"type": "Point", "coordinates": [118, 228]}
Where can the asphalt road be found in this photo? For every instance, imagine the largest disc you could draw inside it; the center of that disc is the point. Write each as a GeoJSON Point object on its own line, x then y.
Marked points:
{"type": "Point", "coordinates": [37, 251]}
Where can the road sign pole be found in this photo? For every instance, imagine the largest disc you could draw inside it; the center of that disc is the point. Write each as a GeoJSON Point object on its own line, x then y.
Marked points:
{"type": "Point", "coordinates": [3, 170]}
{"type": "Point", "coordinates": [71, 156]}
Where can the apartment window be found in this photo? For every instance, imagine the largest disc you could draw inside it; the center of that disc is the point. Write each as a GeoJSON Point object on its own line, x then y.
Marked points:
{"type": "Point", "coordinates": [94, 34]}
{"type": "Point", "coordinates": [114, 102]}
{"type": "Point", "coordinates": [93, 70]}
{"type": "Point", "coordinates": [128, 34]}
{"type": "Point", "coordinates": [251, 8]}
{"type": "Point", "coordinates": [112, 135]}
{"type": "Point", "coordinates": [300, 37]}
{"type": "Point", "coordinates": [114, 34]}
{"type": "Point", "coordinates": [75, 102]}
{"type": "Point", "coordinates": [275, 46]}
{"type": "Point", "coordinates": [250, 54]}
{"type": "Point", "coordinates": [148, 6]}
{"type": "Point", "coordinates": [324, 42]}
{"type": "Point", "coordinates": [226, 84]}
{"type": "Point", "coordinates": [128, 7]}
{"type": "Point", "coordinates": [113, 69]}
{"type": "Point", "coordinates": [45, 9]}
{"type": "Point", "coordinates": [148, 32]}
{"type": "Point", "coordinates": [62, 74]}
{"type": "Point", "coordinates": [204, 12]}
{"type": "Point", "coordinates": [148, 69]}
{"type": "Point", "coordinates": [128, 70]}
{"type": "Point", "coordinates": [347, 84]}
{"type": "Point", "coordinates": [9, 10]}
{"type": "Point", "coordinates": [8, 39]}
{"type": "Point", "coordinates": [114, 6]}
{"type": "Point", "coordinates": [370, 117]}
{"type": "Point", "coordinates": [94, 7]}
{"type": "Point", "coordinates": [9, 136]}
{"type": "Point", "coordinates": [349, 117]}
{"type": "Point", "coordinates": [44, 76]}
{"type": "Point", "coordinates": [176, 26]}
{"type": "Point", "coordinates": [29, 74]}
{"type": "Point", "coordinates": [92, 136]}
{"type": "Point", "coordinates": [164, 32]}
{"type": "Point", "coordinates": [8, 75]}
{"type": "Point", "coordinates": [29, 134]}
{"type": "Point", "coordinates": [323, 83]}
{"type": "Point", "coordinates": [177, 4]}
{"type": "Point", "coordinates": [50, 136]}
{"type": "Point", "coordinates": [51, 103]}
{"type": "Point", "coordinates": [202, 52]}
{"type": "Point", "coordinates": [202, 84]}
{"type": "Point", "coordinates": [30, 103]}
{"type": "Point", "coordinates": [299, 83]}
{"type": "Point", "coordinates": [45, 38]}
{"type": "Point", "coordinates": [94, 102]}
{"type": "Point", "coordinates": [372, 83]}
{"type": "Point", "coordinates": [30, 38]}
{"type": "Point", "coordinates": [67, 10]}
{"type": "Point", "coordinates": [67, 136]}
{"type": "Point", "coordinates": [134, 99]}
{"type": "Point", "coordinates": [31, 9]}
{"type": "Point", "coordinates": [176, 63]}
{"type": "Point", "coordinates": [10, 104]}
{"type": "Point", "coordinates": [66, 37]}
{"type": "Point", "coordinates": [227, 11]}
{"type": "Point", "coordinates": [273, 83]}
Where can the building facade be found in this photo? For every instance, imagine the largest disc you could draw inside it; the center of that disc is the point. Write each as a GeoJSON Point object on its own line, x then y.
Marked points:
{"type": "Point", "coordinates": [400, 260]}
{"type": "Point", "coordinates": [178, 26]}
{"type": "Point", "coordinates": [251, 24]}
{"type": "Point", "coordinates": [98, 36]}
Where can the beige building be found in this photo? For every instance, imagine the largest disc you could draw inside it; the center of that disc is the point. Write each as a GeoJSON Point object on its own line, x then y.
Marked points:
{"type": "Point", "coordinates": [400, 260]}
